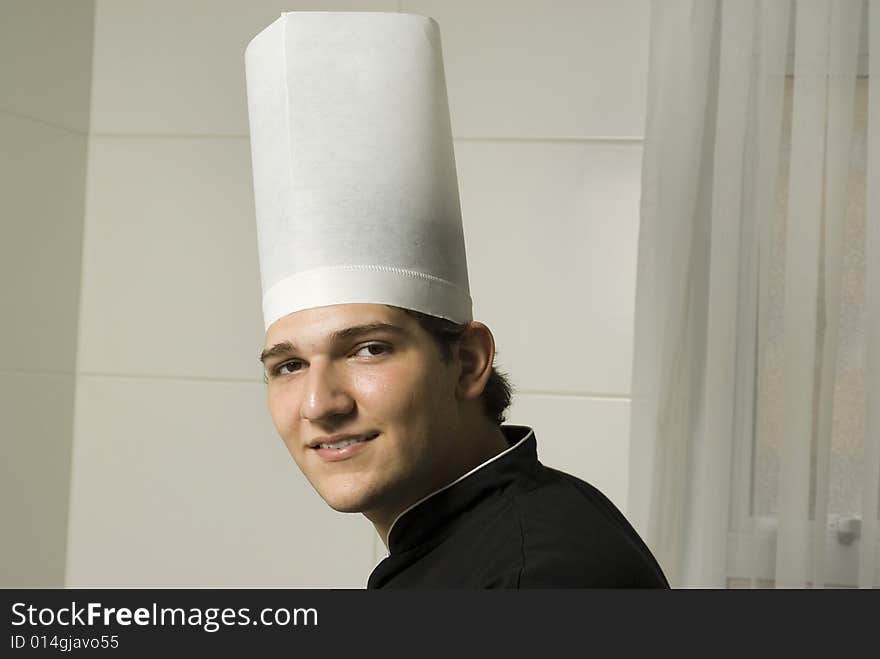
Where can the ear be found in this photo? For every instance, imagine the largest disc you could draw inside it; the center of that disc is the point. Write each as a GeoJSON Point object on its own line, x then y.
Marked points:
{"type": "Point", "coordinates": [476, 352]}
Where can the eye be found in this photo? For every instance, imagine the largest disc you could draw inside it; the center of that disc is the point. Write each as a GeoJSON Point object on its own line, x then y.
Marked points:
{"type": "Point", "coordinates": [373, 350]}
{"type": "Point", "coordinates": [294, 365]}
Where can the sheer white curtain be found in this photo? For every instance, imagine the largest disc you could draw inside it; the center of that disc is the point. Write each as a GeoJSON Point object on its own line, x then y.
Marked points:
{"type": "Point", "coordinates": [755, 430]}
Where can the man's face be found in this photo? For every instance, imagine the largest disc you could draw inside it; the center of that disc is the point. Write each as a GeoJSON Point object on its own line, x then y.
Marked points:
{"type": "Point", "coordinates": [369, 371]}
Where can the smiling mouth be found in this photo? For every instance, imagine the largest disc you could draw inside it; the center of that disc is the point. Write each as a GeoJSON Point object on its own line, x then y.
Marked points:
{"type": "Point", "coordinates": [348, 442]}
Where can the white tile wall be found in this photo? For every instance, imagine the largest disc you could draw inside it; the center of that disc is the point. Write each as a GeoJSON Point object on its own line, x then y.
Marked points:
{"type": "Point", "coordinates": [533, 68]}
{"type": "Point", "coordinates": [45, 66]}
{"type": "Point", "coordinates": [166, 66]}
{"type": "Point", "coordinates": [42, 178]}
{"type": "Point", "coordinates": [171, 278]}
{"type": "Point", "coordinates": [552, 231]}
{"type": "Point", "coordinates": [37, 421]}
{"type": "Point", "coordinates": [181, 483]}
{"type": "Point", "coordinates": [45, 60]}
{"type": "Point", "coordinates": [585, 437]}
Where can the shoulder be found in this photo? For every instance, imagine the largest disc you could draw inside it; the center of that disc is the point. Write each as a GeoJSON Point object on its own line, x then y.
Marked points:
{"type": "Point", "coordinates": [573, 536]}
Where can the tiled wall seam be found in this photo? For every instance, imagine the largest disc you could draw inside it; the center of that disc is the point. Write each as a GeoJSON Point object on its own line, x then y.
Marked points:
{"type": "Point", "coordinates": [43, 122]}
{"type": "Point", "coordinates": [171, 136]}
{"type": "Point", "coordinates": [34, 371]}
{"type": "Point", "coordinates": [585, 395]}
{"type": "Point", "coordinates": [604, 139]}
{"type": "Point", "coordinates": [579, 139]}
{"type": "Point", "coordinates": [166, 378]}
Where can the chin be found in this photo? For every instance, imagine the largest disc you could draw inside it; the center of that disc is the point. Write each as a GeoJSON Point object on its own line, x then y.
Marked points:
{"type": "Point", "coordinates": [345, 500]}
{"type": "Point", "coordinates": [345, 507]}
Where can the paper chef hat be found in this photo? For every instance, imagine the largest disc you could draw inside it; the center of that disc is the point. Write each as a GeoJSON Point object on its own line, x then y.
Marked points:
{"type": "Point", "coordinates": [354, 173]}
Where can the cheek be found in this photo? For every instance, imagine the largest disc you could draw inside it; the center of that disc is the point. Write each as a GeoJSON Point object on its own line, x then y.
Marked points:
{"type": "Point", "coordinates": [403, 393]}
{"type": "Point", "coordinates": [393, 393]}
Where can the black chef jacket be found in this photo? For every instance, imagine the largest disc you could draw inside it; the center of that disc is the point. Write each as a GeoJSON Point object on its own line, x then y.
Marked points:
{"type": "Point", "coordinates": [514, 523]}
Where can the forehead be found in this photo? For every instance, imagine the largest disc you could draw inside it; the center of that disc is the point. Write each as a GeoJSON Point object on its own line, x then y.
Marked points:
{"type": "Point", "coordinates": [322, 322]}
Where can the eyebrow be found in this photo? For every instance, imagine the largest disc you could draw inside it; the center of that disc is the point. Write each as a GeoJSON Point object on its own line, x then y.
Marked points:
{"type": "Point", "coordinates": [286, 347]}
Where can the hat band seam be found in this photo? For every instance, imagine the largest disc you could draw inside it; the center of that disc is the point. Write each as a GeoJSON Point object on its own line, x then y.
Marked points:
{"type": "Point", "coordinates": [415, 274]}
{"type": "Point", "coordinates": [372, 284]}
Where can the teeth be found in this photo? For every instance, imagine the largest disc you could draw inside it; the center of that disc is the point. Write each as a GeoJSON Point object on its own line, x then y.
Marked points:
{"type": "Point", "coordinates": [343, 443]}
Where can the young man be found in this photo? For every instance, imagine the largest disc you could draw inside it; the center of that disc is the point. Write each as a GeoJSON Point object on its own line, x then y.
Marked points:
{"type": "Point", "coordinates": [380, 383]}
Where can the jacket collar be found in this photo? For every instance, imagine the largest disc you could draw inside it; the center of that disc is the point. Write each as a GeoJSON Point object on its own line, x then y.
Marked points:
{"type": "Point", "coordinates": [439, 511]}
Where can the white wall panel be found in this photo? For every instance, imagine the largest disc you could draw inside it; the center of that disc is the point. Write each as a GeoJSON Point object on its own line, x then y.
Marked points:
{"type": "Point", "coordinates": [42, 192]}
{"type": "Point", "coordinates": [187, 484]}
{"type": "Point", "coordinates": [588, 438]}
{"type": "Point", "coordinates": [46, 60]}
{"type": "Point", "coordinates": [552, 231]}
{"type": "Point", "coordinates": [165, 66]}
{"type": "Point", "coordinates": [170, 274]}
{"type": "Point", "coordinates": [35, 439]}
{"type": "Point", "coordinates": [533, 68]}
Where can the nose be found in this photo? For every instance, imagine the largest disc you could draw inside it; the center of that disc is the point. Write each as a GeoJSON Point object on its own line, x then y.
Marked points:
{"type": "Point", "coordinates": [326, 396]}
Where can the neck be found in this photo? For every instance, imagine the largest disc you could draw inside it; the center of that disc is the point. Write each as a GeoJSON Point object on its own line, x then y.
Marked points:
{"type": "Point", "coordinates": [471, 454]}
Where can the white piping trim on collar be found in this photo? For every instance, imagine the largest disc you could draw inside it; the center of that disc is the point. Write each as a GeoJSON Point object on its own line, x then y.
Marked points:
{"type": "Point", "coordinates": [530, 433]}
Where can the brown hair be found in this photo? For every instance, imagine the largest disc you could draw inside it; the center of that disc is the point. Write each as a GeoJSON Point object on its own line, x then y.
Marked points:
{"type": "Point", "coordinates": [498, 391]}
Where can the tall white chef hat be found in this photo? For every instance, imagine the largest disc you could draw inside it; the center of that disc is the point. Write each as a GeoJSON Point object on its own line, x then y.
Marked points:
{"type": "Point", "coordinates": [354, 173]}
